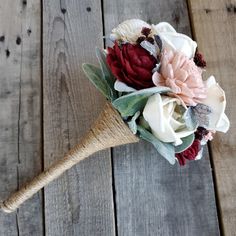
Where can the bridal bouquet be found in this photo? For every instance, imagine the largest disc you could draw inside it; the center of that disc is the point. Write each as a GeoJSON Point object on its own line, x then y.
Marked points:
{"type": "Point", "coordinates": [153, 76]}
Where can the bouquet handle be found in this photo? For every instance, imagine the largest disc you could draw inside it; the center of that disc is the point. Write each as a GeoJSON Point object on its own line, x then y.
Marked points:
{"type": "Point", "coordinates": [109, 130]}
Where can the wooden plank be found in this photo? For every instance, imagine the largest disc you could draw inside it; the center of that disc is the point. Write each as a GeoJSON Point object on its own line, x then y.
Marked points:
{"type": "Point", "coordinates": [215, 30]}
{"type": "Point", "coordinates": [153, 197]}
{"type": "Point", "coordinates": [80, 202]}
{"type": "Point", "coordinates": [20, 102]}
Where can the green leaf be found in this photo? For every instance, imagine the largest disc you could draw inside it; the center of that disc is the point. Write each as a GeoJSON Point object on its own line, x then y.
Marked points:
{"type": "Point", "coordinates": [167, 150]}
{"type": "Point", "coordinates": [101, 55]}
{"type": "Point", "coordinates": [132, 124]}
{"type": "Point", "coordinates": [190, 119]}
{"type": "Point", "coordinates": [144, 123]}
{"type": "Point", "coordinates": [187, 142]}
{"type": "Point", "coordinates": [94, 74]}
{"type": "Point", "coordinates": [129, 104]}
{"type": "Point", "coordinates": [106, 72]}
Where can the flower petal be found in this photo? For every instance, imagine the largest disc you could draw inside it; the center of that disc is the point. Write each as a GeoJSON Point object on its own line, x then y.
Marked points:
{"type": "Point", "coordinates": [217, 102]}
{"type": "Point", "coordinates": [153, 113]}
{"type": "Point", "coordinates": [157, 79]}
{"type": "Point", "coordinates": [160, 114]}
{"type": "Point", "coordinates": [179, 42]}
{"type": "Point", "coordinates": [163, 27]}
{"type": "Point", "coordinates": [129, 30]}
{"type": "Point", "coordinates": [223, 124]}
{"type": "Point", "coordinates": [175, 41]}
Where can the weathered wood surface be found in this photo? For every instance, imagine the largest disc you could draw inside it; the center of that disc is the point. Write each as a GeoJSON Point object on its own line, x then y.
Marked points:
{"type": "Point", "coordinates": [20, 116]}
{"type": "Point", "coordinates": [215, 30]}
{"type": "Point", "coordinates": [152, 197]}
{"type": "Point", "coordinates": [80, 202]}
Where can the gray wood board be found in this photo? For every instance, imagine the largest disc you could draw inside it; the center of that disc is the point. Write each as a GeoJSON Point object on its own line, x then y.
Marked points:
{"type": "Point", "coordinates": [81, 201]}
{"type": "Point", "coordinates": [20, 102]}
{"type": "Point", "coordinates": [219, 49]}
{"type": "Point", "coordinates": [153, 197]}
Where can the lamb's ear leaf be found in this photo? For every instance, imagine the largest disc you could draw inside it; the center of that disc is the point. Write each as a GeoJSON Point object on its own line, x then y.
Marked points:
{"type": "Point", "coordinates": [167, 150]}
{"type": "Point", "coordinates": [132, 123]}
{"type": "Point", "coordinates": [190, 119]}
{"type": "Point", "coordinates": [94, 74]}
{"type": "Point", "coordinates": [106, 72]}
{"type": "Point", "coordinates": [187, 142]}
{"type": "Point", "coordinates": [129, 104]}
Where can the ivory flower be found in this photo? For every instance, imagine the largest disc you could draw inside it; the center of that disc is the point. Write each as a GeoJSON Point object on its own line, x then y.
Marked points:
{"type": "Point", "coordinates": [165, 118]}
{"type": "Point", "coordinates": [129, 30]}
{"type": "Point", "coordinates": [174, 40]}
{"type": "Point", "coordinates": [182, 76]}
{"type": "Point", "coordinates": [216, 100]}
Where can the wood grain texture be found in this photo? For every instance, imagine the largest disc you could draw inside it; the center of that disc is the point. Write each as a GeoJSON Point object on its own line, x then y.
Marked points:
{"type": "Point", "coordinates": [20, 102]}
{"type": "Point", "coordinates": [153, 197]}
{"type": "Point", "coordinates": [215, 30]}
{"type": "Point", "coordinates": [80, 202]}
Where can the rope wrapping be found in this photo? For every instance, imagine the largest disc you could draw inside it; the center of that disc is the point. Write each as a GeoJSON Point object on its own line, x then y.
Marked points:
{"type": "Point", "coordinates": [109, 130]}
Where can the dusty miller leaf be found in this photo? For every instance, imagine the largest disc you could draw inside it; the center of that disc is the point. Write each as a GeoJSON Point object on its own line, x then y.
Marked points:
{"type": "Point", "coordinates": [132, 123]}
{"type": "Point", "coordinates": [187, 142]}
{"type": "Point", "coordinates": [129, 104]}
{"type": "Point", "coordinates": [167, 150]}
{"type": "Point", "coordinates": [158, 41]}
{"type": "Point", "coordinates": [190, 119]}
{"type": "Point", "coordinates": [151, 48]}
{"type": "Point", "coordinates": [94, 74]}
{"type": "Point", "coordinates": [106, 72]}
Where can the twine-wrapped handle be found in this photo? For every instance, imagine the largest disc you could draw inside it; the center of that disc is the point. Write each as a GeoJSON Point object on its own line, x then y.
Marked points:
{"type": "Point", "coordinates": [108, 131]}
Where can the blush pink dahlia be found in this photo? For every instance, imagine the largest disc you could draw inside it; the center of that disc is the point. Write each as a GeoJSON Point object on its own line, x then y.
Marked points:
{"type": "Point", "coordinates": [182, 75]}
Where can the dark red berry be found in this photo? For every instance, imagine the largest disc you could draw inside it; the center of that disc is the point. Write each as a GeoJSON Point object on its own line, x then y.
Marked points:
{"type": "Point", "coordinates": [200, 133]}
{"type": "Point", "coordinates": [150, 40]}
{"type": "Point", "coordinates": [140, 39]}
{"type": "Point", "coordinates": [146, 31]}
{"type": "Point", "coordinates": [199, 60]}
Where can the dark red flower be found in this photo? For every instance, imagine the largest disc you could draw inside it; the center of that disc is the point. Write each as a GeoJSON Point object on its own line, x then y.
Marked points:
{"type": "Point", "coordinates": [190, 153]}
{"type": "Point", "coordinates": [132, 65]}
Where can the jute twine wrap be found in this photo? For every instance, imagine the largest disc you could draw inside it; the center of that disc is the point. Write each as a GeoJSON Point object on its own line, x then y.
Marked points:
{"type": "Point", "coordinates": [108, 131]}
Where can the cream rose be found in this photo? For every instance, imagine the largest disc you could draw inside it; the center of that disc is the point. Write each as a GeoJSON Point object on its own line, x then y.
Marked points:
{"type": "Point", "coordinates": [173, 40]}
{"type": "Point", "coordinates": [129, 30]}
{"type": "Point", "coordinates": [164, 116]}
{"type": "Point", "coordinates": [216, 100]}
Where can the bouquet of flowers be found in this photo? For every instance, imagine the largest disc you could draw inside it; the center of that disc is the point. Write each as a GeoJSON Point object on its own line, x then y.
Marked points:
{"type": "Point", "coordinates": [152, 78]}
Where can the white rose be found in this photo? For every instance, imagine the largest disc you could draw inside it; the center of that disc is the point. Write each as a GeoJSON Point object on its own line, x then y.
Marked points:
{"type": "Point", "coordinates": [129, 30]}
{"type": "Point", "coordinates": [173, 40]}
{"type": "Point", "coordinates": [164, 119]}
{"type": "Point", "coordinates": [216, 100]}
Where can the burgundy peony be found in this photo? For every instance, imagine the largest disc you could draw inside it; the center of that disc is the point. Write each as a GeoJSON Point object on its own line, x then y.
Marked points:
{"type": "Point", "coordinates": [190, 153]}
{"type": "Point", "coordinates": [132, 65]}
